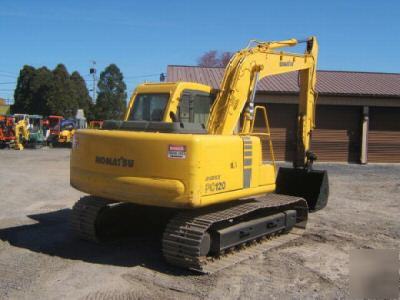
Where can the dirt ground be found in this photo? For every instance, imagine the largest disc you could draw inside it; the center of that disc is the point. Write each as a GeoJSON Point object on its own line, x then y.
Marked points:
{"type": "Point", "coordinates": [40, 258]}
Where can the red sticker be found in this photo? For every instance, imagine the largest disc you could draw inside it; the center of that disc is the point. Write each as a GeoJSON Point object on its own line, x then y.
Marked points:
{"type": "Point", "coordinates": [177, 151]}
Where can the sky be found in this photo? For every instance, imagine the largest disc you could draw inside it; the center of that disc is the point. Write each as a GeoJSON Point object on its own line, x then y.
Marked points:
{"type": "Point", "coordinates": [143, 37]}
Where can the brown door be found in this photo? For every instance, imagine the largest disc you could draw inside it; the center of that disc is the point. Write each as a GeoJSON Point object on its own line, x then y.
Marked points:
{"type": "Point", "coordinates": [384, 134]}
{"type": "Point", "coordinates": [337, 136]}
{"type": "Point", "coordinates": [282, 121]}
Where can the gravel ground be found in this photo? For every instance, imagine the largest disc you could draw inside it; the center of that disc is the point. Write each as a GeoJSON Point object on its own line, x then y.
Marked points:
{"type": "Point", "coordinates": [40, 259]}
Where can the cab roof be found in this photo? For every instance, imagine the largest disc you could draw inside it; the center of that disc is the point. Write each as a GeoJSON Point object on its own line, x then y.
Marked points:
{"type": "Point", "coordinates": [167, 87]}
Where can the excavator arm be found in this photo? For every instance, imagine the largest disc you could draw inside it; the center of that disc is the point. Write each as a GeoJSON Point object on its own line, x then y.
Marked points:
{"type": "Point", "coordinates": [239, 84]}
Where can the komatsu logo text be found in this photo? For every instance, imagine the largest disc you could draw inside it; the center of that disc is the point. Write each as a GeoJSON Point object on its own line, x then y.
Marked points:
{"type": "Point", "coordinates": [115, 161]}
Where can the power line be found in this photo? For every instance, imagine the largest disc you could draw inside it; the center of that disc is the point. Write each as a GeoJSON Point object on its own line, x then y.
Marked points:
{"type": "Point", "coordinates": [8, 82]}
{"type": "Point", "coordinates": [142, 76]}
{"type": "Point", "coordinates": [9, 76]}
{"type": "Point", "coordinates": [129, 77]}
{"type": "Point", "coordinates": [8, 73]}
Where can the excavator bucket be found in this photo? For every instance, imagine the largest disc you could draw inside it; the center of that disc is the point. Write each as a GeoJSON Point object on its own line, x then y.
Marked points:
{"type": "Point", "coordinates": [312, 185]}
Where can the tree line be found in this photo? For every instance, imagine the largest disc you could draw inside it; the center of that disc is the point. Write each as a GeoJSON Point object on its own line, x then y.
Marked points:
{"type": "Point", "coordinates": [56, 92]}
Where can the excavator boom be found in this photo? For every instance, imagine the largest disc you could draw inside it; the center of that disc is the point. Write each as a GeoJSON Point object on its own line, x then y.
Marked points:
{"type": "Point", "coordinates": [240, 81]}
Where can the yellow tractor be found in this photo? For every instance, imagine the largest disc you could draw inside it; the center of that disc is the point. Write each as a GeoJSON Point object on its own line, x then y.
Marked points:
{"type": "Point", "coordinates": [173, 151]}
{"type": "Point", "coordinates": [67, 132]}
{"type": "Point", "coordinates": [61, 134]}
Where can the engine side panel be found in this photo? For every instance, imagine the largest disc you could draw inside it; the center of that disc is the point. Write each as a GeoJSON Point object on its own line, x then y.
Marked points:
{"type": "Point", "coordinates": [168, 170]}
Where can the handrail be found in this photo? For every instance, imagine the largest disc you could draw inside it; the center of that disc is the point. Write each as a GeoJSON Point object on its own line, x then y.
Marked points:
{"type": "Point", "coordinates": [268, 133]}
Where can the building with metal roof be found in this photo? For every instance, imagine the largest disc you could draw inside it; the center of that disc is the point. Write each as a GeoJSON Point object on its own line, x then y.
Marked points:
{"type": "Point", "coordinates": [4, 108]}
{"type": "Point", "coordinates": [358, 113]}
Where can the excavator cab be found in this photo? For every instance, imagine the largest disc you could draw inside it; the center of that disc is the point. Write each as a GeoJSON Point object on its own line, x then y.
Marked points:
{"type": "Point", "coordinates": [181, 107]}
{"type": "Point", "coordinates": [181, 102]}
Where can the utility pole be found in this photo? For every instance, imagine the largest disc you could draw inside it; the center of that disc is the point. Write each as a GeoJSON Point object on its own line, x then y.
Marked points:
{"type": "Point", "coordinates": [93, 72]}
{"type": "Point", "coordinates": [162, 77]}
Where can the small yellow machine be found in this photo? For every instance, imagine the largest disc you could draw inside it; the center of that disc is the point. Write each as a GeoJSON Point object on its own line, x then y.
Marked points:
{"type": "Point", "coordinates": [65, 136]}
{"type": "Point", "coordinates": [171, 151]}
{"type": "Point", "coordinates": [21, 134]}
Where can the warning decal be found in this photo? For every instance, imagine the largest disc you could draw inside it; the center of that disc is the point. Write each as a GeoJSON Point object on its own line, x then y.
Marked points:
{"type": "Point", "coordinates": [177, 151]}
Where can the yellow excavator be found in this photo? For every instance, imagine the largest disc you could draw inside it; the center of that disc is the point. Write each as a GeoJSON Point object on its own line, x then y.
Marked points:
{"type": "Point", "coordinates": [224, 201]}
{"type": "Point", "coordinates": [21, 134]}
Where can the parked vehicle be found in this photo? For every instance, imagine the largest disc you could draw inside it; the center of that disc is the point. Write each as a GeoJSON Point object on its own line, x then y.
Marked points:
{"type": "Point", "coordinates": [7, 132]}
{"type": "Point", "coordinates": [210, 180]}
{"type": "Point", "coordinates": [96, 124]}
{"type": "Point", "coordinates": [36, 132]}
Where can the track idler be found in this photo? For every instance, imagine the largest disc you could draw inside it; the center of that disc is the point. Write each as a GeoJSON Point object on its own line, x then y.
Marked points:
{"type": "Point", "coordinates": [312, 185]}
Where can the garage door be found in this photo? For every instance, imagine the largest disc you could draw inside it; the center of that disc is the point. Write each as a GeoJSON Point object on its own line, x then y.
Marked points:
{"type": "Point", "coordinates": [282, 119]}
{"type": "Point", "coordinates": [337, 136]}
{"type": "Point", "coordinates": [384, 134]}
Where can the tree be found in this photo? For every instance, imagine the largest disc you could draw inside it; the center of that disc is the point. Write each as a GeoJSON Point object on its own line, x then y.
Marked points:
{"type": "Point", "coordinates": [31, 93]}
{"type": "Point", "coordinates": [214, 59]}
{"type": "Point", "coordinates": [111, 99]}
{"type": "Point", "coordinates": [81, 94]}
{"type": "Point", "coordinates": [208, 59]}
{"type": "Point", "coordinates": [45, 92]}
{"type": "Point", "coordinates": [41, 87]}
{"type": "Point", "coordinates": [224, 58]}
{"type": "Point", "coordinates": [23, 93]}
{"type": "Point", "coordinates": [61, 98]}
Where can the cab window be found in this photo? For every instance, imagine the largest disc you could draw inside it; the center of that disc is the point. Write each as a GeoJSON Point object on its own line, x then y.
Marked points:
{"type": "Point", "coordinates": [194, 107]}
{"type": "Point", "coordinates": [149, 107]}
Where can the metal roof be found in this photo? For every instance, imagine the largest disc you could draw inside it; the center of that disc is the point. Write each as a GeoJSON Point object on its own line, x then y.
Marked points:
{"type": "Point", "coordinates": [339, 83]}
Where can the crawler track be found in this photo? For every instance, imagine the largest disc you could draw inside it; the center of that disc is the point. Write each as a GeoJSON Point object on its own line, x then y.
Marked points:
{"type": "Point", "coordinates": [184, 233]}
{"type": "Point", "coordinates": [85, 215]}
{"type": "Point", "coordinates": [183, 236]}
